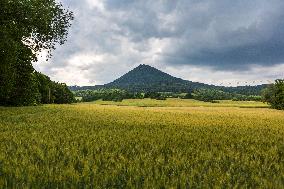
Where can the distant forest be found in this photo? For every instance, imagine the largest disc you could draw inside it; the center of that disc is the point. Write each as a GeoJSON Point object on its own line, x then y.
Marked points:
{"type": "Point", "coordinates": [147, 82]}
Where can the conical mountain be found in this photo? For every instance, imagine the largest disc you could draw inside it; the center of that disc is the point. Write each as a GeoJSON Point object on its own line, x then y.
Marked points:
{"type": "Point", "coordinates": [148, 78]}
{"type": "Point", "coordinates": [145, 78]}
{"type": "Point", "coordinates": [144, 74]}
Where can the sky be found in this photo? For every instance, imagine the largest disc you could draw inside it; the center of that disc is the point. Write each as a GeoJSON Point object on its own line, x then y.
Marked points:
{"type": "Point", "coordinates": [221, 42]}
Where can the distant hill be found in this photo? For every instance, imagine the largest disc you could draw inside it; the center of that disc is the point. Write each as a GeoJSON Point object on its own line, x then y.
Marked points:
{"type": "Point", "coordinates": [145, 75]}
{"type": "Point", "coordinates": [145, 78]}
{"type": "Point", "coordinates": [148, 78]}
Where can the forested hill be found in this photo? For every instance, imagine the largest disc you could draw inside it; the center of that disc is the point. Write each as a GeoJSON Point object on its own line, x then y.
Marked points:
{"type": "Point", "coordinates": [144, 75]}
{"type": "Point", "coordinates": [145, 78]}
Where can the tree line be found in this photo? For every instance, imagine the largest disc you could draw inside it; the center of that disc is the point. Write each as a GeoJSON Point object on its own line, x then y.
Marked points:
{"type": "Point", "coordinates": [273, 95]}
{"type": "Point", "coordinates": [207, 95]}
{"type": "Point", "coordinates": [211, 95]}
{"type": "Point", "coordinates": [38, 90]}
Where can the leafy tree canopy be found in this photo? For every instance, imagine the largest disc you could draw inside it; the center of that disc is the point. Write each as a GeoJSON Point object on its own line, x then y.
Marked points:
{"type": "Point", "coordinates": [39, 24]}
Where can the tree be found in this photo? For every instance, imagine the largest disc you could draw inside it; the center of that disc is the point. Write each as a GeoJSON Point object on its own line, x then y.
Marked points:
{"type": "Point", "coordinates": [45, 87]}
{"type": "Point", "coordinates": [274, 95]}
{"type": "Point", "coordinates": [25, 89]}
{"type": "Point", "coordinates": [26, 28]}
{"type": "Point", "coordinates": [52, 92]}
{"type": "Point", "coordinates": [61, 93]}
{"type": "Point", "coordinates": [39, 24]}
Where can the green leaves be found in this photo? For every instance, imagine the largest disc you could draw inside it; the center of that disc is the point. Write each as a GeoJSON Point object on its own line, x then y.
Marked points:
{"type": "Point", "coordinates": [274, 94]}
{"type": "Point", "coordinates": [40, 24]}
{"type": "Point", "coordinates": [53, 92]}
{"type": "Point", "coordinates": [26, 28]}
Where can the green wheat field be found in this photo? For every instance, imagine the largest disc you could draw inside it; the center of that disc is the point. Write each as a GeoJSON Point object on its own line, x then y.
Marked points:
{"type": "Point", "coordinates": [142, 144]}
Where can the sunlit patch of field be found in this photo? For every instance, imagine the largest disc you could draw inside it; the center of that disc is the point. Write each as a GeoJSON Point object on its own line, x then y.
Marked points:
{"type": "Point", "coordinates": [174, 102]}
{"type": "Point", "coordinates": [74, 146]}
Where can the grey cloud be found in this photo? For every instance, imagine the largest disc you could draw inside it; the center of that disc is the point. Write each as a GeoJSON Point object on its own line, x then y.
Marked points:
{"type": "Point", "coordinates": [222, 34]}
{"type": "Point", "coordinates": [217, 34]}
{"type": "Point", "coordinates": [241, 35]}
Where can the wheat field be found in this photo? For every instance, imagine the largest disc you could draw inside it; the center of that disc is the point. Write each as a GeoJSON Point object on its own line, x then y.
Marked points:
{"type": "Point", "coordinates": [107, 146]}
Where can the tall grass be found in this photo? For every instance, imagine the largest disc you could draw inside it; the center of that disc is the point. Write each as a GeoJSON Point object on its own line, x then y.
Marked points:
{"type": "Point", "coordinates": [94, 146]}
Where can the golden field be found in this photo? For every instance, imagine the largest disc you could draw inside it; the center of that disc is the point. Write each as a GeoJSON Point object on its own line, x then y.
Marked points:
{"type": "Point", "coordinates": [181, 144]}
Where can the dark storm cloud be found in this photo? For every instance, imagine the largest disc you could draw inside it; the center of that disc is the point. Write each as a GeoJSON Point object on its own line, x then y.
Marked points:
{"type": "Point", "coordinates": [116, 35]}
{"type": "Point", "coordinates": [236, 58]}
{"type": "Point", "coordinates": [241, 35]}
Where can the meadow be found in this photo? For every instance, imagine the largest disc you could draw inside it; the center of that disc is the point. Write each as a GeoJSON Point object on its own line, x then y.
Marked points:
{"type": "Point", "coordinates": [129, 145]}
